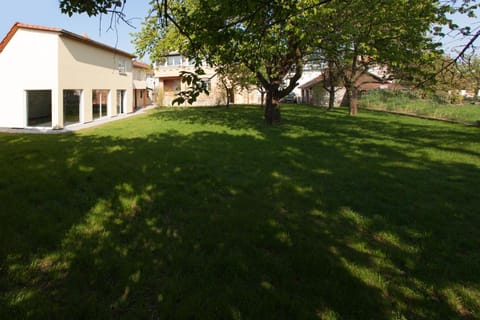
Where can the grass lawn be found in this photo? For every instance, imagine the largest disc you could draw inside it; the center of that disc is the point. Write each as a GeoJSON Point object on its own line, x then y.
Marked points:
{"type": "Point", "coordinates": [207, 214]}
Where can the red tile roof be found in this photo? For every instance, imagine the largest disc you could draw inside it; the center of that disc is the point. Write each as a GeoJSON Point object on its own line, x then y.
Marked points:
{"type": "Point", "coordinates": [139, 64]}
{"type": "Point", "coordinates": [61, 32]}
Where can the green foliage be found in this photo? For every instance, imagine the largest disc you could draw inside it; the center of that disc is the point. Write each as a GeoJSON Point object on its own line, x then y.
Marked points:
{"type": "Point", "coordinates": [416, 103]}
{"type": "Point", "coordinates": [157, 41]}
{"type": "Point", "coordinates": [235, 78]}
{"type": "Point", "coordinates": [196, 86]}
{"type": "Point", "coordinates": [443, 78]}
{"type": "Point", "coordinates": [272, 38]}
{"type": "Point", "coordinates": [394, 34]}
{"type": "Point", "coordinates": [90, 7]}
{"type": "Point", "coordinates": [469, 68]}
{"type": "Point", "coordinates": [269, 39]}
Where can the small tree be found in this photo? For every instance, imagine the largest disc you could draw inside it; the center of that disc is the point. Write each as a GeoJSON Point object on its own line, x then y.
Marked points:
{"type": "Point", "coordinates": [469, 67]}
{"type": "Point", "coordinates": [234, 78]}
{"type": "Point", "coordinates": [361, 34]}
{"type": "Point", "coordinates": [331, 76]}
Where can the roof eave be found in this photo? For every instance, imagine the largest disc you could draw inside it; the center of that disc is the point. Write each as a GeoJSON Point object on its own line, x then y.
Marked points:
{"type": "Point", "coordinates": [73, 36]}
{"type": "Point", "coordinates": [61, 32]}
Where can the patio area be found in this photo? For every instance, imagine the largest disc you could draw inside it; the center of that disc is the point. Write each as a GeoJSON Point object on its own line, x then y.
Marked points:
{"type": "Point", "coordinates": [46, 129]}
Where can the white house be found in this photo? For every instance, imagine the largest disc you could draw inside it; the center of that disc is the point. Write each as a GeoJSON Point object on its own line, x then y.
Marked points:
{"type": "Point", "coordinates": [51, 77]}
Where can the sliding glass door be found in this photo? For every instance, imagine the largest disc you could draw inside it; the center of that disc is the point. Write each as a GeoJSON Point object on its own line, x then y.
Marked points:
{"type": "Point", "coordinates": [39, 108]}
{"type": "Point", "coordinates": [71, 106]}
{"type": "Point", "coordinates": [99, 103]}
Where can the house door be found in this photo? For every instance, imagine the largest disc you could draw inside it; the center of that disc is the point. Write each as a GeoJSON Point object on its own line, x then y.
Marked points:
{"type": "Point", "coordinates": [99, 103]}
{"type": "Point", "coordinates": [135, 96]}
{"type": "Point", "coordinates": [231, 95]}
{"type": "Point", "coordinates": [120, 101]}
{"type": "Point", "coordinates": [39, 108]}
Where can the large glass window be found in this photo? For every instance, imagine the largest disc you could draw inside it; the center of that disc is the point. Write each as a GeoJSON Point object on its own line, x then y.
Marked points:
{"type": "Point", "coordinates": [172, 85]}
{"type": "Point", "coordinates": [174, 60]}
{"type": "Point", "coordinates": [39, 108]}
{"type": "Point", "coordinates": [122, 66]}
{"type": "Point", "coordinates": [99, 103]}
{"type": "Point", "coordinates": [71, 106]}
{"type": "Point", "coordinates": [207, 84]}
{"type": "Point", "coordinates": [120, 101]}
{"type": "Point", "coordinates": [139, 75]}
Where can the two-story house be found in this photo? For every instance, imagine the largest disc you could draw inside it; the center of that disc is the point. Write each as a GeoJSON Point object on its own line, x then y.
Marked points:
{"type": "Point", "coordinates": [51, 77]}
{"type": "Point", "coordinates": [141, 90]}
{"type": "Point", "coordinates": [170, 83]}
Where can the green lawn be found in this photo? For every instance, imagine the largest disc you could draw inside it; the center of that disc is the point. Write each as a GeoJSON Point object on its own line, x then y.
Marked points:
{"type": "Point", "coordinates": [207, 214]}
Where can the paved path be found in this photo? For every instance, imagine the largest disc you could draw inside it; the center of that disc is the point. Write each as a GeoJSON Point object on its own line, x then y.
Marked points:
{"type": "Point", "coordinates": [77, 126]}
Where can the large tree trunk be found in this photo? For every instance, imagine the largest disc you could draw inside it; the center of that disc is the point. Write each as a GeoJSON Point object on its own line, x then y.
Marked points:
{"type": "Point", "coordinates": [353, 103]}
{"type": "Point", "coordinates": [225, 87]}
{"type": "Point", "coordinates": [331, 85]}
{"type": "Point", "coordinates": [272, 108]}
{"type": "Point", "coordinates": [331, 96]}
{"type": "Point", "coordinates": [228, 96]}
{"type": "Point", "coordinates": [351, 83]}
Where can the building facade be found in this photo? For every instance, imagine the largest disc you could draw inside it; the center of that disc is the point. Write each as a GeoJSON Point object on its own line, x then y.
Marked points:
{"type": "Point", "coordinates": [52, 78]}
{"type": "Point", "coordinates": [142, 95]}
{"type": "Point", "coordinates": [169, 84]}
{"type": "Point", "coordinates": [313, 92]}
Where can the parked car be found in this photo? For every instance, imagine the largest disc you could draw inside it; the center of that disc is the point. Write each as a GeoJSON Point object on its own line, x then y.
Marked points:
{"type": "Point", "coordinates": [289, 98]}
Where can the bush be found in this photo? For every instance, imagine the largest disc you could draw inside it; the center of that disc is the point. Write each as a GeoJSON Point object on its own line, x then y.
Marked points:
{"type": "Point", "coordinates": [423, 103]}
{"type": "Point", "coordinates": [159, 97]}
{"type": "Point", "coordinates": [456, 99]}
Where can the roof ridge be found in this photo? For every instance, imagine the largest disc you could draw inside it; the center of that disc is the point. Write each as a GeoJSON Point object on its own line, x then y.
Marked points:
{"type": "Point", "coordinates": [18, 25]}
{"type": "Point", "coordinates": [141, 64]}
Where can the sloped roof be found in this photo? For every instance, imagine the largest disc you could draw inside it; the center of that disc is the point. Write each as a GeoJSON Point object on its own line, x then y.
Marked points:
{"type": "Point", "coordinates": [310, 83]}
{"type": "Point", "coordinates": [61, 32]}
{"type": "Point", "coordinates": [366, 81]}
{"type": "Point", "coordinates": [142, 65]}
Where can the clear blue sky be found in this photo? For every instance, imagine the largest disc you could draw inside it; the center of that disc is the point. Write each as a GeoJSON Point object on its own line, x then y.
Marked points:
{"type": "Point", "coordinates": [47, 13]}
{"type": "Point", "coordinates": [454, 41]}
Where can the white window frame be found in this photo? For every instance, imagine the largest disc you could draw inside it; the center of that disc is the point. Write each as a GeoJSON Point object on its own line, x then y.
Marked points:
{"type": "Point", "coordinates": [122, 66]}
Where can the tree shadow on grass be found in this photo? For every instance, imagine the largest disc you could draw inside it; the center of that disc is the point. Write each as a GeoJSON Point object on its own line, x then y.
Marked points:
{"type": "Point", "coordinates": [214, 225]}
{"type": "Point", "coordinates": [233, 118]}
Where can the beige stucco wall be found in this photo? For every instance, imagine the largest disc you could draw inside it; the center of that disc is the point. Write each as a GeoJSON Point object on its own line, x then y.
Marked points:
{"type": "Point", "coordinates": [140, 96]}
{"type": "Point", "coordinates": [139, 78]}
{"type": "Point", "coordinates": [250, 96]}
{"type": "Point", "coordinates": [85, 67]}
{"type": "Point", "coordinates": [167, 73]}
{"type": "Point", "coordinates": [28, 62]}
{"type": "Point", "coordinates": [216, 96]}
{"type": "Point", "coordinates": [46, 60]}
{"type": "Point", "coordinates": [320, 96]}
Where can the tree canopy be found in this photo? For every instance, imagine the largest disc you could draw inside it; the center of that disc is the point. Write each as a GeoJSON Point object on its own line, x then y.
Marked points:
{"type": "Point", "coordinates": [270, 38]}
{"type": "Point", "coordinates": [90, 7]}
{"type": "Point", "coordinates": [273, 38]}
{"type": "Point", "coordinates": [358, 35]}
